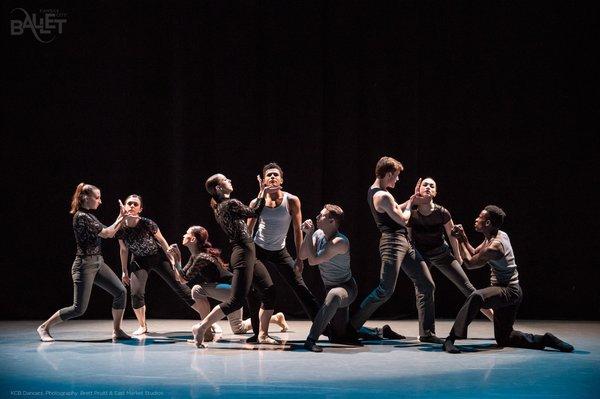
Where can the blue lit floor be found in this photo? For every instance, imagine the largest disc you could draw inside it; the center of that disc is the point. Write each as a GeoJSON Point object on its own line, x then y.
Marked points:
{"type": "Point", "coordinates": [85, 363]}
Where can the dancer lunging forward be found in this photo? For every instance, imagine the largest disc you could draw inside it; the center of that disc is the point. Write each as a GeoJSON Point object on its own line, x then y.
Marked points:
{"type": "Point", "coordinates": [504, 295]}
{"type": "Point", "coordinates": [89, 267]}
{"type": "Point", "coordinates": [396, 252]}
{"type": "Point", "coordinates": [231, 214]}
{"type": "Point", "coordinates": [330, 250]}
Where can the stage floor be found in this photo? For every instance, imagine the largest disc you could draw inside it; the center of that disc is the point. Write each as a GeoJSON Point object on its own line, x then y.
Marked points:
{"type": "Point", "coordinates": [84, 362]}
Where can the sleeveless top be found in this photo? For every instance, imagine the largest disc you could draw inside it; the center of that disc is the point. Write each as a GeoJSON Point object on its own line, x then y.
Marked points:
{"type": "Point", "coordinates": [504, 270]}
{"type": "Point", "coordinates": [273, 226]}
{"type": "Point", "coordinates": [336, 270]}
{"type": "Point", "coordinates": [384, 222]}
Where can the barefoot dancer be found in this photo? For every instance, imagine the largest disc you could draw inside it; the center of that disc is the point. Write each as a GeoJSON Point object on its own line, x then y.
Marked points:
{"type": "Point", "coordinates": [208, 276]}
{"type": "Point", "coordinates": [142, 237]}
{"type": "Point", "coordinates": [89, 267]}
{"type": "Point", "coordinates": [231, 214]}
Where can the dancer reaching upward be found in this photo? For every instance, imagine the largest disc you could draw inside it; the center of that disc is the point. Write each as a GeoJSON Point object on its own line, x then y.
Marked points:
{"type": "Point", "coordinates": [231, 214]}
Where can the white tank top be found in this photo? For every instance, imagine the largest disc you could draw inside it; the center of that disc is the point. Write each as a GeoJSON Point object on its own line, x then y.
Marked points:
{"type": "Point", "coordinates": [273, 226]}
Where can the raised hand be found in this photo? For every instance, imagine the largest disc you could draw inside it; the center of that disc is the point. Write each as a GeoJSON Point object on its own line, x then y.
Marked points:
{"type": "Point", "coordinates": [418, 186]}
{"type": "Point", "coordinates": [307, 226]}
{"type": "Point", "coordinates": [174, 252]}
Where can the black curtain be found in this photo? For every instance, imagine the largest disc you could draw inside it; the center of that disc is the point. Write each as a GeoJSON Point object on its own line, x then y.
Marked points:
{"type": "Point", "coordinates": [488, 98]}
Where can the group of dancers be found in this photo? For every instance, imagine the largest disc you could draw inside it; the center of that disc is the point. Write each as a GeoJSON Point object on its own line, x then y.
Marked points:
{"type": "Point", "coordinates": [415, 235]}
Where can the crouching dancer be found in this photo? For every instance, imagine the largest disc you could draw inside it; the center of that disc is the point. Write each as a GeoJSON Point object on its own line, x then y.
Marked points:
{"type": "Point", "coordinates": [330, 249]}
{"type": "Point", "coordinates": [504, 295]}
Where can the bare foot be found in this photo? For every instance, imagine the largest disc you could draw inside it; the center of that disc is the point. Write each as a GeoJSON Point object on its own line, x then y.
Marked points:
{"type": "Point", "coordinates": [120, 335]}
{"type": "Point", "coordinates": [44, 334]}
{"type": "Point", "coordinates": [266, 339]}
{"type": "Point", "coordinates": [217, 329]}
{"type": "Point", "coordinates": [281, 322]}
{"type": "Point", "coordinates": [141, 330]}
{"type": "Point", "coordinates": [198, 334]}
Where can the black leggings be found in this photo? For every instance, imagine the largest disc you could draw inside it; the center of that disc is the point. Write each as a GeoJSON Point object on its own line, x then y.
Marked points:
{"type": "Point", "coordinates": [142, 266]}
{"type": "Point", "coordinates": [247, 271]}
{"type": "Point", "coordinates": [284, 265]}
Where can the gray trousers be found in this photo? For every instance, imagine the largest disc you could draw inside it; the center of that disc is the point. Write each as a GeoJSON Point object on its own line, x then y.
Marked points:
{"type": "Point", "coordinates": [505, 301]}
{"type": "Point", "coordinates": [334, 310]}
{"type": "Point", "coordinates": [87, 271]}
{"type": "Point", "coordinates": [445, 262]}
{"type": "Point", "coordinates": [221, 292]}
{"type": "Point", "coordinates": [397, 253]}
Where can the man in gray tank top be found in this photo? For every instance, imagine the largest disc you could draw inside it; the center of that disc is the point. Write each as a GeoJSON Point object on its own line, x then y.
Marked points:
{"type": "Point", "coordinates": [504, 295]}
{"type": "Point", "coordinates": [282, 209]}
{"type": "Point", "coordinates": [330, 250]}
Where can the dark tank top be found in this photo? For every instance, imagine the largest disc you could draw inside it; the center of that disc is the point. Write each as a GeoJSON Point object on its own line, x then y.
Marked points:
{"type": "Point", "coordinates": [384, 222]}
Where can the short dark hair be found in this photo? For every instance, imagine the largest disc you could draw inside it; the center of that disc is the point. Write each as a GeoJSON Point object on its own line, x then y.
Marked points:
{"type": "Point", "coordinates": [495, 215]}
{"type": "Point", "coordinates": [272, 165]}
{"type": "Point", "coordinates": [387, 164]}
{"type": "Point", "coordinates": [335, 212]}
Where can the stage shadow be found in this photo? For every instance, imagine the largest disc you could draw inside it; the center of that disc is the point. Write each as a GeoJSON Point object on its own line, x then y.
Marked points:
{"type": "Point", "coordinates": [140, 341]}
{"type": "Point", "coordinates": [86, 341]}
{"type": "Point", "coordinates": [462, 348]}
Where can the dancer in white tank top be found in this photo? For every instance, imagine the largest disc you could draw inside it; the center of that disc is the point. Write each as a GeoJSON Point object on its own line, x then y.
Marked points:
{"type": "Point", "coordinates": [281, 210]}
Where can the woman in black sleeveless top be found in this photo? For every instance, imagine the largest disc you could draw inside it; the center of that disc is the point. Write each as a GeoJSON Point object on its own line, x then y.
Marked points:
{"type": "Point", "coordinates": [428, 223]}
{"type": "Point", "coordinates": [231, 214]}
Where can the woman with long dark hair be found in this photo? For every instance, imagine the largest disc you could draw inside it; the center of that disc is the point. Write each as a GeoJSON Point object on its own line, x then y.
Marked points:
{"type": "Point", "coordinates": [142, 237]}
{"type": "Point", "coordinates": [208, 275]}
{"type": "Point", "coordinates": [428, 222]}
{"type": "Point", "coordinates": [231, 214]}
{"type": "Point", "coordinates": [89, 267]}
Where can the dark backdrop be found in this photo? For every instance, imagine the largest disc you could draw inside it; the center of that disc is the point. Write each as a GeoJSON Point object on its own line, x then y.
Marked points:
{"type": "Point", "coordinates": [487, 97]}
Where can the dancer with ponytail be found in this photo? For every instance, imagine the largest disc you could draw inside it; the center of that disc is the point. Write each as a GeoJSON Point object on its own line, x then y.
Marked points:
{"type": "Point", "coordinates": [89, 267]}
{"type": "Point", "coordinates": [231, 214]}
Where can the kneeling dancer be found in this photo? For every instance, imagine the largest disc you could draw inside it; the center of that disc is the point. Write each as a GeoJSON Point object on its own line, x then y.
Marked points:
{"type": "Point", "coordinates": [504, 295]}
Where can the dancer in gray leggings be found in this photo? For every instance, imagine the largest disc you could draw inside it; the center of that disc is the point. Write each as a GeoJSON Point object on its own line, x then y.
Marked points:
{"type": "Point", "coordinates": [330, 250]}
{"type": "Point", "coordinates": [89, 267]}
{"type": "Point", "coordinates": [428, 223]}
